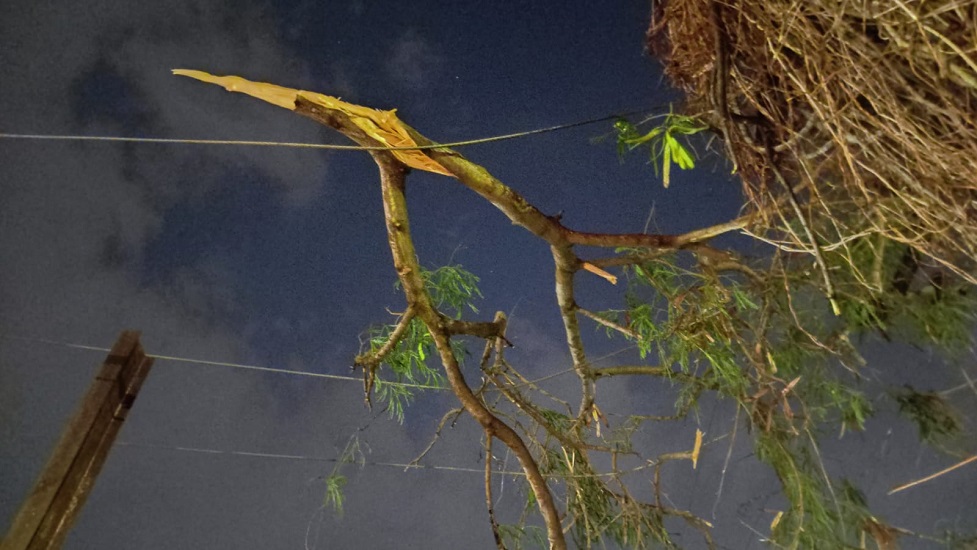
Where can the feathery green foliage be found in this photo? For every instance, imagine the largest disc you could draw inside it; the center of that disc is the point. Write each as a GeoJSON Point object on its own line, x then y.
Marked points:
{"type": "Point", "coordinates": [453, 289]}
{"type": "Point", "coordinates": [662, 141]}
{"type": "Point", "coordinates": [936, 419]}
{"type": "Point", "coordinates": [336, 481]}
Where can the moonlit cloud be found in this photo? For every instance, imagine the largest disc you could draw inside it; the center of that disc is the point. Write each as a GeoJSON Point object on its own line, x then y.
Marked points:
{"type": "Point", "coordinates": [414, 61]}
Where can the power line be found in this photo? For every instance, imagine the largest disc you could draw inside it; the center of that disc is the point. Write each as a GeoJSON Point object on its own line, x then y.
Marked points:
{"type": "Point", "coordinates": [309, 458]}
{"type": "Point", "coordinates": [402, 466]}
{"type": "Point", "coordinates": [227, 364]}
{"type": "Point", "coordinates": [281, 456]}
{"type": "Point", "coordinates": [260, 368]}
{"type": "Point", "coordinates": [254, 143]}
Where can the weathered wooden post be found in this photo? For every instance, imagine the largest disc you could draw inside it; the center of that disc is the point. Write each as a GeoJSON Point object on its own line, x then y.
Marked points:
{"type": "Point", "coordinates": [52, 506]}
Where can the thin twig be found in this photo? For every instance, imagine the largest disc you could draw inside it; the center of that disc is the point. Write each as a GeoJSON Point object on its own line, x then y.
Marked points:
{"type": "Point", "coordinates": [488, 492]}
{"type": "Point", "coordinates": [609, 324]}
{"type": "Point", "coordinates": [437, 435]}
{"type": "Point", "coordinates": [930, 477]}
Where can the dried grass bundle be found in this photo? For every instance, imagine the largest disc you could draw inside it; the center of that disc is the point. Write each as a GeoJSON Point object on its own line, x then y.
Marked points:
{"type": "Point", "coordinates": [867, 109]}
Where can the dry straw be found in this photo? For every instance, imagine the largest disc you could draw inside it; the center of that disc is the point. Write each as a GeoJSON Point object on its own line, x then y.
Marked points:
{"type": "Point", "coordinates": [868, 107]}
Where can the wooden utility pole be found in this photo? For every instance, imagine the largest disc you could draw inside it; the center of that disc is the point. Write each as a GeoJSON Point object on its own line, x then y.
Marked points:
{"type": "Point", "coordinates": [52, 506]}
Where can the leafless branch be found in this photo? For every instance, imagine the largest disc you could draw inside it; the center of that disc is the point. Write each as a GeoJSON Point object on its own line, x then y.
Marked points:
{"type": "Point", "coordinates": [609, 324]}
{"type": "Point", "coordinates": [437, 435]}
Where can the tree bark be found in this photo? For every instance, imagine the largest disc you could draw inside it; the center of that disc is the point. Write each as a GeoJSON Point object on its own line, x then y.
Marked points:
{"type": "Point", "coordinates": [392, 179]}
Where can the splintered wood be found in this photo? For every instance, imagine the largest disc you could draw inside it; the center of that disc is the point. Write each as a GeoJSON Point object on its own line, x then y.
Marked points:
{"type": "Point", "coordinates": [383, 126]}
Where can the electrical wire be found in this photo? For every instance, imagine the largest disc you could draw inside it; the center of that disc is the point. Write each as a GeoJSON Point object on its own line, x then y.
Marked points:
{"type": "Point", "coordinates": [255, 367]}
{"type": "Point", "coordinates": [255, 143]}
{"type": "Point", "coordinates": [281, 456]}
{"type": "Point", "coordinates": [225, 364]}
{"type": "Point", "coordinates": [410, 466]}
{"type": "Point", "coordinates": [402, 466]}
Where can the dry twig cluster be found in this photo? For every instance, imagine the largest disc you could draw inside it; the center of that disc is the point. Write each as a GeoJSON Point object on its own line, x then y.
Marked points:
{"type": "Point", "coordinates": [867, 109]}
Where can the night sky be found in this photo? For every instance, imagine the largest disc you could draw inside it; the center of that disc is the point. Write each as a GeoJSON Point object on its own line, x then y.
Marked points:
{"type": "Point", "coordinates": [277, 257]}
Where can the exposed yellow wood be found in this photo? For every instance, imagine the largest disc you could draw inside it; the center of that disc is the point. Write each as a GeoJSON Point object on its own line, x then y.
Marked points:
{"type": "Point", "coordinates": [383, 126]}
{"type": "Point", "coordinates": [600, 272]}
{"type": "Point", "coordinates": [697, 448]}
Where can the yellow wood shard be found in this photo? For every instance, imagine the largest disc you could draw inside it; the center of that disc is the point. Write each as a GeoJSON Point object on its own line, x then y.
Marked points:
{"type": "Point", "coordinates": [697, 448]}
{"type": "Point", "coordinates": [600, 272]}
{"type": "Point", "coordinates": [383, 126]}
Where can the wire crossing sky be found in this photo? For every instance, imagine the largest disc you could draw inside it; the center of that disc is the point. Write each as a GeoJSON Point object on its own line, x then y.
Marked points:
{"type": "Point", "coordinates": [463, 143]}
{"type": "Point", "coordinates": [358, 379]}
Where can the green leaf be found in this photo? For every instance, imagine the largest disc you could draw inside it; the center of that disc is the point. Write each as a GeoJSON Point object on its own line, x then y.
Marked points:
{"type": "Point", "coordinates": [662, 143]}
{"type": "Point", "coordinates": [682, 156]}
{"type": "Point", "coordinates": [637, 141]}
